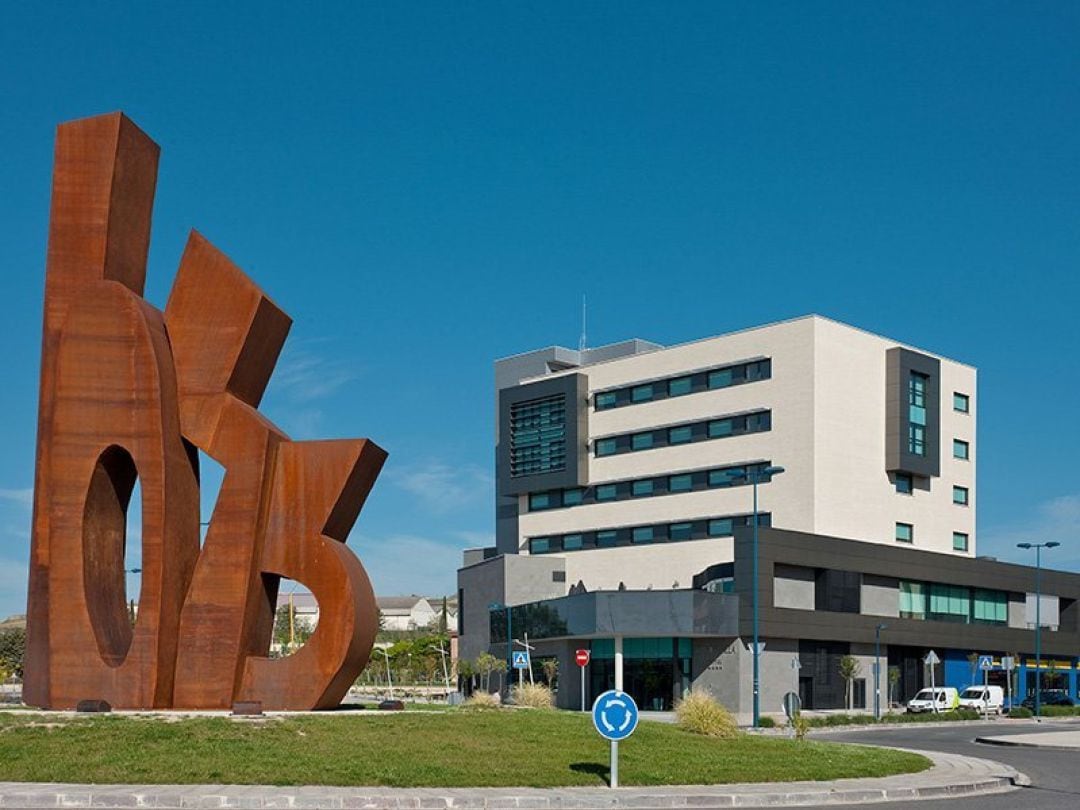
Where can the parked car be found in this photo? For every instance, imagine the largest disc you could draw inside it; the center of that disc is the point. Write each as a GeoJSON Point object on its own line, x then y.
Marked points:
{"type": "Point", "coordinates": [983, 699]}
{"type": "Point", "coordinates": [1049, 697]}
{"type": "Point", "coordinates": [939, 699]}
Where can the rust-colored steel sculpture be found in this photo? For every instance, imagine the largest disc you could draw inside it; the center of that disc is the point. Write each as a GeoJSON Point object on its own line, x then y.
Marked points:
{"type": "Point", "coordinates": [128, 393]}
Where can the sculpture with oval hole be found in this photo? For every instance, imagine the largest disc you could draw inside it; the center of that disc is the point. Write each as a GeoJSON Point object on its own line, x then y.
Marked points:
{"type": "Point", "coordinates": [128, 393]}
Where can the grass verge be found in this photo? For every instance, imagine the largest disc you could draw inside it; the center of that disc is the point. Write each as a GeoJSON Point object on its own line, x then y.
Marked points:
{"type": "Point", "coordinates": [451, 749]}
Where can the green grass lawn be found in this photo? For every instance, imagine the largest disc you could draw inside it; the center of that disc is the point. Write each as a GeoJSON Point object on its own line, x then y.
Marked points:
{"type": "Point", "coordinates": [448, 749]}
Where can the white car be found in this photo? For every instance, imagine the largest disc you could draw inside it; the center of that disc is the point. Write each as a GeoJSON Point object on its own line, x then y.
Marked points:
{"type": "Point", "coordinates": [940, 699]}
{"type": "Point", "coordinates": [983, 699]}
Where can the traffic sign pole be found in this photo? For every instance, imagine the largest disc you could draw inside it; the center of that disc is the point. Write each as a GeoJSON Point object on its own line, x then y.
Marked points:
{"type": "Point", "coordinates": [581, 658]}
{"type": "Point", "coordinates": [615, 716]}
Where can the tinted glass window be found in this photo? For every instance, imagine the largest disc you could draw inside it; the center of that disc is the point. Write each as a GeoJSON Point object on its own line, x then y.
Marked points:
{"type": "Point", "coordinates": [641, 393]}
{"type": "Point", "coordinates": [679, 386]}
{"type": "Point", "coordinates": [642, 487]}
{"type": "Point", "coordinates": [905, 532]}
{"type": "Point", "coordinates": [540, 500]}
{"type": "Point", "coordinates": [606, 400]}
{"type": "Point", "coordinates": [642, 534]}
{"type": "Point", "coordinates": [720, 427]}
{"type": "Point", "coordinates": [681, 531]}
{"type": "Point", "coordinates": [571, 542]}
{"type": "Point", "coordinates": [680, 483]}
{"type": "Point", "coordinates": [572, 497]}
{"type": "Point", "coordinates": [721, 378]}
{"type": "Point", "coordinates": [606, 447]}
{"type": "Point", "coordinates": [606, 492]}
{"type": "Point", "coordinates": [961, 403]}
{"type": "Point", "coordinates": [960, 449]}
{"type": "Point", "coordinates": [723, 527]}
{"type": "Point", "coordinates": [960, 496]}
{"type": "Point", "coordinates": [641, 441]}
{"type": "Point", "coordinates": [540, 545]}
{"type": "Point", "coordinates": [903, 483]}
{"type": "Point", "coordinates": [606, 539]}
{"type": "Point", "coordinates": [959, 541]}
{"type": "Point", "coordinates": [680, 435]}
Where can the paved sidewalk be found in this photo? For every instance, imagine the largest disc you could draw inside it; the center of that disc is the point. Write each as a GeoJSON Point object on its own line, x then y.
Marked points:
{"type": "Point", "coordinates": [1055, 740]}
{"type": "Point", "coordinates": [951, 776]}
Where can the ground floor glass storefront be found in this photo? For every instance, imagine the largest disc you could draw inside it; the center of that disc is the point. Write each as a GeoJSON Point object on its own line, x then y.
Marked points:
{"type": "Point", "coordinates": [656, 671]}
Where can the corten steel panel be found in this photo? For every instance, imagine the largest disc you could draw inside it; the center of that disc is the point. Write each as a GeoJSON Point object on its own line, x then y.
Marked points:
{"type": "Point", "coordinates": [126, 394]}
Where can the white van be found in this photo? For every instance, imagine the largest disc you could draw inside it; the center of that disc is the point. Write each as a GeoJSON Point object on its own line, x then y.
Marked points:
{"type": "Point", "coordinates": [940, 699]}
{"type": "Point", "coordinates": [983, 699]}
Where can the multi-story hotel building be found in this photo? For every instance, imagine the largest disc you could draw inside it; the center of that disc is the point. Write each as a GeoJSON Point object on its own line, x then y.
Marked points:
{"type": "Point", "coordinates": [624, 476]}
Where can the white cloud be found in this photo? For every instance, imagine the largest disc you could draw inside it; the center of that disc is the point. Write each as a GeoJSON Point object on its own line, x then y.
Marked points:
{"type": "Point", "coordinates": [23, 497]}
{"type": "Point", "coordinates": [444, 488]}
{"type": "Point", "coordinates": [303, 375]}
{"type": "Point", "coordinates": [406, 564]}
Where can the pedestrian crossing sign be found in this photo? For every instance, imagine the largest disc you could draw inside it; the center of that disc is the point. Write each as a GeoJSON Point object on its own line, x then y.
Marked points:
{"type": "Point", "coordinates": [521, 660]}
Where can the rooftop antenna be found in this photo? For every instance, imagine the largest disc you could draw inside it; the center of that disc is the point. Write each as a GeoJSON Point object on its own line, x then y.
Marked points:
{"type": "Point", "coordinates": [581, 345]}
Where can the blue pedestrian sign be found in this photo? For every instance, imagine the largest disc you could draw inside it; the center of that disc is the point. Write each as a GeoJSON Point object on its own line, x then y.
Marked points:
{"type": "Point", "coordinates": [985, 663]}
{"type": "Point", "coordinates": [521, 660]}
{"type": "Point", "coordinates": [615, 715]}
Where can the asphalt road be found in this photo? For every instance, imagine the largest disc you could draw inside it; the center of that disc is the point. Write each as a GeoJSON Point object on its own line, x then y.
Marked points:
{"type": "Point", "coordinates": [1055, 775]}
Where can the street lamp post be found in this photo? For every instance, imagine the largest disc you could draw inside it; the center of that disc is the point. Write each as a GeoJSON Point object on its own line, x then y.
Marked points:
{"type": "Point", "coordinates": [877, 670]}
{"type": "Point", "coordinates": [1038, 615]}
{"type": "Point", "coordinates": [755, 475]}
{"type": "Point", "coordinates": [446, 672]}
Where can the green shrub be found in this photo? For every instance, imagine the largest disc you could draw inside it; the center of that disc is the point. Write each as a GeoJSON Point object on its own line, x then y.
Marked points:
{"type": "Point", "coordinates": [698, 712]}
{"type": "Point", "coordinates": [534, 695]}
{"type": "Point", "coordinates": [1021, 711]}
{"type": "Point", "coordinates": [931, 717]}
{"type": "Point", "coordinates": [801, 726]}
{"type": "Point", "coordinates": [766, 722]}
{"type": "Point", "coordinates": [1059, 711]}
{"type": "Point", "coordinates": [481, 700]}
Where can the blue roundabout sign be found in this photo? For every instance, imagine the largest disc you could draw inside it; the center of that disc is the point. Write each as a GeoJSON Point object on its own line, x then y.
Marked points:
{"type": "Point", "coordinates": [615, 715]}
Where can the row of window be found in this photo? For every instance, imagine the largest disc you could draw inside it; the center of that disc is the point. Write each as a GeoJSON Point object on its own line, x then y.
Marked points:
{"type": "Point", "coordinates": [905, 533]}
{"type": "Point", "coordinates": [643, 535]}
{"type": "Point", "coordinates": [905, 484]}
{"type": "Point", "coordinates": [952, 603]}
{"type": "Point", "coordinates": [688, 433]}
{"type": "Point", "coordinates": [708, 380]}
{"type": "Point", "coordinates": [538, 436]}
{"type": "Point", "coordinates": [917, 388]}
{"type": "Point", "coordinates": [693, 481]}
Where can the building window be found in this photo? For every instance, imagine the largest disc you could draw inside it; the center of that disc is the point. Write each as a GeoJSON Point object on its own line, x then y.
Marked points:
{"type": "Point", "coordinates": [959, 541]}
{"type": "Point", "coordinates": [949, 603]}
{"type": "Point", "coordinates": [721, 378]}
{"type": "Point", "coordinates": [961, 403]}
{"type": "Point", "coordinates": [905, 533]}
{"type": "Point", "coordinates": [538, 436]}
{"type": "Point", "coordinates": [912, 600]}
{"type": "Point", "coordinates": [960, 496]}
{"type": "Point", "coordinates": [904, 483]}
{"type": "Point", "coordinates": [573, 497]}
{"type": "Point", "coordinates": [540, 545]}
{"type": "Point", "coordinates": [606, 447]}
{"type": "Point", "coordinates": [642, 534]}
{"type": "Point", "coordinates": [719, 428]}
{"type": "Point", "coordinates": [641, 441]}
{"type": "Point", "coordinates": [681, 531]}
{"type": "Point", "coordinates": [680, 386]}
{"type": "Point", "coordinates": [961, 449]}
{"type": "Point", "coordinates": [641, 487]}
{"type": "Point", "coordinates": [721, 527]}
{"type": "Point", "coordinates": [990, 607]}
{"type": "Point", "coordinates": [572, 542]}
{"type": "Point", "coordinates": [605, 400]}
{"type": "Point", "coordinates": [680, 435]}
{"type": "Point", "coordinates": [606, 539]}
{"type": "Point", "coordinates": [917, 413]}
{"type": "Point", "coordinates": [641, 393]}
{"type": "Point", "coordinates": [681, 483]}
{"type": "Point", "coordinates": [540, 500]}
{"type": "Point", "coordinates": [607, 492]}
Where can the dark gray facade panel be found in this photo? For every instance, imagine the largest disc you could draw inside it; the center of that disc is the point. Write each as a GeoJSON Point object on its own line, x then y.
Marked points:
{"type": "Point", "coordinates": [778, 546]}
{"type": "Point", "coordinates": [506, 524]}
{"type": "Point", "coordinates": [899, 364]}
{"type": "Point", "coordinates": [575, 387]}
{"type": "Point", "coordinates": [603, 614]}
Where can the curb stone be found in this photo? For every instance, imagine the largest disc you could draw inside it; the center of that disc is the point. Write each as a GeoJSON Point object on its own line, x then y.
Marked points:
{"type": "Point", "coordinates": [950, 776]}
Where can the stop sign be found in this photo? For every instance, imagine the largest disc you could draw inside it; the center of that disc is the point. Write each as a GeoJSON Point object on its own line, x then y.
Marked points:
{"type": "Point", "coordinates": [582, 658]}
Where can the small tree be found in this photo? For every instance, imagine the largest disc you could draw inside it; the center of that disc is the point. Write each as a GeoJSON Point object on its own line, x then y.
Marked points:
{"type": "Point", "coordinates": [973, 665]}
{"type": "Point", "coordinates": [486, 664]}
{"type": "Point", "coordinates": [849, 669]}
{"type": "Point", "coordinates": [13, 650]}
{"type": "Point", "coordinates": [551, 670]}
{"type": "Point", "coordinates": [894, 680]}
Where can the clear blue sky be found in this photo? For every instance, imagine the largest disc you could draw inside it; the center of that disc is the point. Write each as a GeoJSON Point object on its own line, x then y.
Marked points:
{"type": "Point", "coordinates": [427, 188]}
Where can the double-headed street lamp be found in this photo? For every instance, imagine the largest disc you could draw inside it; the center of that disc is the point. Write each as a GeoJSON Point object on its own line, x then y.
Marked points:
{"type": "Point", "coordinates": [754, 475]}
{"type": "Point", "coordinates": [1038, 614]}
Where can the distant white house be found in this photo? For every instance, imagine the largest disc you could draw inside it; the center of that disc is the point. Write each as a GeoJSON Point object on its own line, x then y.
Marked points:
{"type": "Point", "coordinates": [398, 612]}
